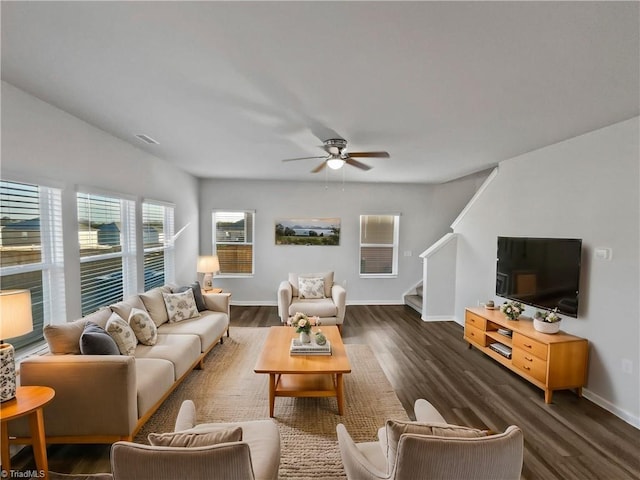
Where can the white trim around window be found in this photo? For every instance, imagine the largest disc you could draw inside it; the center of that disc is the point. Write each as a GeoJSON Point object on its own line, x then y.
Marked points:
{"type": "Point", "coordinates": [379, 242]}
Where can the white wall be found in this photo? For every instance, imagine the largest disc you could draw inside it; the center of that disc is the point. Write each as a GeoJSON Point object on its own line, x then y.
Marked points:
{"type": "Point", "coordinates": [439, 277]}
{"type": "Point", "coordinates": [43, 144]}
{"type": "Point", "coordinates": [426, 213]}
{"type": "Point", "coordinates": [586, 187]}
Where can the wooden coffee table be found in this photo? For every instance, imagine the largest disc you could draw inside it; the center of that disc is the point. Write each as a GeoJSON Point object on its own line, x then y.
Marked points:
{"type": "Point", "coordinates": [303, 375]}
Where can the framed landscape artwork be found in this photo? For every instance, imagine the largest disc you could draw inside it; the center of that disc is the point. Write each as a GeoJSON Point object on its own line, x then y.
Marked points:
{"type": "Point", "coordinates": [307, 231]}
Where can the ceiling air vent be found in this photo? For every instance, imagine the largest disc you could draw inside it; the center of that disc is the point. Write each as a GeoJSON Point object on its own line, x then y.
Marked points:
{"type": "Point", "coordinates": [147, 139]}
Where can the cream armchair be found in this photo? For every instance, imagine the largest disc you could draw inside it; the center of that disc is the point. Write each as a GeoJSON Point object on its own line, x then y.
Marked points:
{"type": "Point", "coordinates": [441, 451]}
{"type": "Point", "coordinates": [255, 457]}
{"type": "Point", "coordinates": [319, 297]}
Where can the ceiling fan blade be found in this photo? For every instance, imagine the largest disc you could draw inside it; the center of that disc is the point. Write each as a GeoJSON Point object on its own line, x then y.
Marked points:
{"type": "Point", "coordinates": [357, 164]}
{"type": "Point", "coordinates": [319, 167]}
{"type": "Point", "coordinates": [369, 154]}
{"type": "Point", "coordinates": [302, 158]}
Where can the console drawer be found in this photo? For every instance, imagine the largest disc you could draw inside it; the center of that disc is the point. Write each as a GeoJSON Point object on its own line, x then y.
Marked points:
{"type": "Point", "coordinates": [476, 321]}
{"type": "Point", "coordinates": [475, 335]}
{"type": "Point", "coordinates": [530, 345]}
{"type": "Point", "coordinates": [529, 364]}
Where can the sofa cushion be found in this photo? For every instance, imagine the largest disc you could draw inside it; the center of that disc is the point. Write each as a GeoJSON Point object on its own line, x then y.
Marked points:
{"type": "Point", "coordinates": [197, 294]}
{"type": "Point", "coordinates": [209, 327]}
{"type": "Point", "coordinates": [180, 306]}
{"type": "Point", "coordinates": [124, 307]}
{"type": "Point", "coordinates": [94, 340]}
{"type": "Point", "coordinates": [181, 350]}
{"type": "Point", "coordinates": [145, 330]}
{"type": "Point", "coordinates": [154, 378]}
{"type": "Point", "coordinates": [316, 307]}
{"type": "Point", "coordinates": [64, 338]}
{"type": "Point", "coordinates": [311, 287]}
{"type": "Point", "coordinates": [154, 304]}
{"type": "Point", "coordinates": [179, 439]}
{"type": "Point", "coordinates": [395, 428]}
{"type": "Point", "coordinates": [122, 333]}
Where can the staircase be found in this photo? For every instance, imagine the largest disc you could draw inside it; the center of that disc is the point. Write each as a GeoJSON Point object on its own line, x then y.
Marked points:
{"type": "Point", "coordinates": [414, 299]}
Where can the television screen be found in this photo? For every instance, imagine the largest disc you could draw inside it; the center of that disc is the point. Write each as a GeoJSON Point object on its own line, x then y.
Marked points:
{"type": "Point", "coordinates": [541, 272]}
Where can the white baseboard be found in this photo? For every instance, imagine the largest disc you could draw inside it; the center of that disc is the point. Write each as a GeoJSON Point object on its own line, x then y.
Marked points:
{"type": "Point", "coordinates": [264, 303]}
{"type": "Point", "coordinates": [438, 318]}
{"type": "Point", "coordinates": [607, 405]}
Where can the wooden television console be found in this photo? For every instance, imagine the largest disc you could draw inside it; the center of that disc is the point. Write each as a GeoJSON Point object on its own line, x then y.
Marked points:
{"type": "Point", "coordinates": [550, 362]}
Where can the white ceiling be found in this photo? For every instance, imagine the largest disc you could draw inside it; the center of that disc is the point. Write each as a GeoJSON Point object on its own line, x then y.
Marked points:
{"type": "Point", "coordinates": [231, 88]}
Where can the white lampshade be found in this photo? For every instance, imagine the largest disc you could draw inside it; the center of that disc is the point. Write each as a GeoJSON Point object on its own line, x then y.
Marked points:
{"type": "Point", "coordinates": [15, 313]}
{"type": "Point", "coordinates": [335, 163]}
{"type": "Point", "coordinates": [208, 264]}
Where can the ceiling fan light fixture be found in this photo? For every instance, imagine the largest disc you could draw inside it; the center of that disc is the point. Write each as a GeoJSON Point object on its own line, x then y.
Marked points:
{"type": "Point", "coordinates": [335, 163]}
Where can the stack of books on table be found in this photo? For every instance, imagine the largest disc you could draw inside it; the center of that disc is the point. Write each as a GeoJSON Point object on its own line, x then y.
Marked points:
{"type": "Point", "coordinates": [312, 348]}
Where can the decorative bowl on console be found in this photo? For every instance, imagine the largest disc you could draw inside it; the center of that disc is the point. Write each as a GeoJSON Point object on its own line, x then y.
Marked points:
{"type": "Point", "coordinates": [547, 322]}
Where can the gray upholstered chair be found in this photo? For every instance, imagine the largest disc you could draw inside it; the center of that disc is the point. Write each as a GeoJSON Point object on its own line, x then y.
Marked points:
{"type": "Point", "coordinates": [327, 302]}
{"type": "Point", "coordinates": [257, 456]}
{"type": "Point", "coordinates": [444, 453]}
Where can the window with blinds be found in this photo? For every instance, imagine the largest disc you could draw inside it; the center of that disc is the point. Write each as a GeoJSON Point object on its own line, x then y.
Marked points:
{"type": "Point", "coordinates": [106, 234]}
{"type": "Point", "coordinates": [31, 254]}
{"type": "Point", "coordinates": [157, 235]}
{"type": "Point", "coordinates": [233, 241]}
{"type": "Point", "coordinates": [379, 245]}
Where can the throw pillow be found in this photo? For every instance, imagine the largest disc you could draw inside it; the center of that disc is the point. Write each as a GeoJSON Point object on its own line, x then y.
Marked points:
{"type": "Point", "coordinates": [179, 439]}
{"type": "Point", "coordinates": [122, 333]}
{"type": "Point", "coordinates": [310, 287]}
{"type": "Point", "coordinates": [143, 327]}
{"type": "Point", "coordinates": [96, 341]}
{"type": "Point", "coordinates": [396, 428]}
{"type": "Point", "coordinates": [197, 294]}
{"type": "Point", "coordinates": [154, 304]}
{"type": "Point", "coordinates": [180, 306]}
{"type": "Point", "coordinates": [64, 338]}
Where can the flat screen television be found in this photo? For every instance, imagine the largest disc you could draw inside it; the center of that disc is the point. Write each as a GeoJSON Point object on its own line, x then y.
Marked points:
{"type": "Point", "coordinates": [541, 272]}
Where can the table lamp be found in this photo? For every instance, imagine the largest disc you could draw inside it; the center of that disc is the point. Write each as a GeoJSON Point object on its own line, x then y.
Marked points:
{"type": "Point", "coordinates": [15, 320]}
{"type": "Point", "coordinates": [208, 264]}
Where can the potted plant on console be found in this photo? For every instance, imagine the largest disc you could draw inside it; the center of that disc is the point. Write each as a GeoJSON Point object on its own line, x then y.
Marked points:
{"type": "Point", "coordinates": [547, 322]}
{"type": "Point", "coordinates": [512, 310]}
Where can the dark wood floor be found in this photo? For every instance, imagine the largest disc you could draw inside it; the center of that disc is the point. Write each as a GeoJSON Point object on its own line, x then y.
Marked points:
{"type": "Point", "coordinates": [572, 438]}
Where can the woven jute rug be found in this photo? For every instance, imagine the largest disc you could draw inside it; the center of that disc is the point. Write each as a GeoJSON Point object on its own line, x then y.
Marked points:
{"type": "Point", "coordinates": [227, 389]}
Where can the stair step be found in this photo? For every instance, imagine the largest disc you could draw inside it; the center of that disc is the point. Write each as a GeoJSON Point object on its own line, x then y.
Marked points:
{"type": "Point", "coordinates": [414, 301]}
{"type": "Point", "coordinates": [419, 290]}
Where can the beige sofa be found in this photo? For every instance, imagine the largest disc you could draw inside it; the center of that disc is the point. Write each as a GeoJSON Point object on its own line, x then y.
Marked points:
{"type": "Point", "coordinates": [106, 398]}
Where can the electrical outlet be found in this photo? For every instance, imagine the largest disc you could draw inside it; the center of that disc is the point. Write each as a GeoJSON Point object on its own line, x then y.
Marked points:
{"type": "Point", "coordinates": [627, 366]}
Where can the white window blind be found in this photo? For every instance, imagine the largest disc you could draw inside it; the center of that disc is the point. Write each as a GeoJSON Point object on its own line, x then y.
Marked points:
{"type": "Point", "coordinates": [31, 252]}
{"type": "Point", "coordinates": [106, 234]}
{"type": "Point", "coordinates": [233, 241]}
{"type": "Point", "coordinates": [157, 234]}
{"type": "Point", "coordinates": [379, 245]}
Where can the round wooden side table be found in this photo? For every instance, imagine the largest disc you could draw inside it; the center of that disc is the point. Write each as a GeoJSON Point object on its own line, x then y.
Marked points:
{"type": "Point", "coordinates": [28, 401]}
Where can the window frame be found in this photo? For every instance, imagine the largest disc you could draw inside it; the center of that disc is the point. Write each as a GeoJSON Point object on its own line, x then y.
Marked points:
{"type": "Point", "coordinates": [51, 263]}
{"type": "Point", "coordinates": [215, 242]}
{"type": "Point", "coordinates": [395, 246]}
{"type": "Point", "coordinates": [168, 246]}
{"type": "Point", "coordinates": [128, 249]}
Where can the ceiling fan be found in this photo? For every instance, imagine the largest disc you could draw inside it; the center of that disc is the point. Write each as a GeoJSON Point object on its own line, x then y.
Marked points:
{"type": "Point", "coordinates": [338, 155]}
